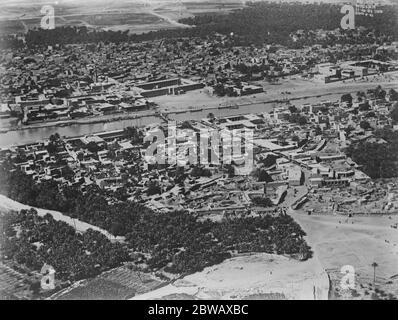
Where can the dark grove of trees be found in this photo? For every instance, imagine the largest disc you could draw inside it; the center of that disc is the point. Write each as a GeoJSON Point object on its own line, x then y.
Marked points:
{"type": "Point", "coordinates": [177, 241]}
{"type": "Point", "coordinates": [262, 175]}
{"type": "Point", "coordinates": [198, 171]}
{"type": "Point", "coordinates": [41, 240]}
{"type": "Point", "coordinates": [262, 201]}
{"type": "Point", "coordinates": [11, 42]}
{"type": "Point", "coordinates": [270, 160]}
{"type": "Point", "coordinates": [393, 95]}
{"type": "Point", "coordinates": [134, 135]}
{"type": "Point", "coordinates": [394, 112]}
{"type": "Point", "coordinates": [273, 22]}
{"type": "Point", "coordinates": [378, 160]}
{"type": "Point", "coordinates": [184, 244]}
{"type": "Point", "coordinates": [297, 118]}
{"type": "Point", "coordinates": [346, 98]}
{"type": "Point", "coordinates": [255, 24]}
{"type": "Point", "coordinates": [72, 34]}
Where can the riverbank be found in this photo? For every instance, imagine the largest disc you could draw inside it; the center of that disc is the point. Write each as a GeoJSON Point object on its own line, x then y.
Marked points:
{"type": "Point", "coordinates": [194, 98]}
{"type": "Point", "coordinates": [194, 105]}
{"type": "Point", "coordinates": [85, 120]}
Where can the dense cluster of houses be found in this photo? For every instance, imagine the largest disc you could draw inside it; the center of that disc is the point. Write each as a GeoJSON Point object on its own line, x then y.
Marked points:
{"type": "Point", "coordinates": [310, 153]}
{"type": "Point", "coordinates": [63, 82]}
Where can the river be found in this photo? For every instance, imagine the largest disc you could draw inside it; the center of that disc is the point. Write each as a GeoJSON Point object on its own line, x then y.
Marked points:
{"type": "Point", "coordinates": [23, 136]}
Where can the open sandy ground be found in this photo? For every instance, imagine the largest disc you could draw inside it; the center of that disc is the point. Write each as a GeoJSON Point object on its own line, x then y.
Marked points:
{"type": "Point", "coordinates": [338, 241]}
{"type": "Point", "coordinates": [255, 276]}
{"type": "Point", "coordinates": [357, 241]}
{"type": "Point", "coordinates": [301, 91]}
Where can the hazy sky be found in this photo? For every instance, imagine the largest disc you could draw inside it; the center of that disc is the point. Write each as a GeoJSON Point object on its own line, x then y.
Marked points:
{"type": "Point", "coordinates": [110, 2]}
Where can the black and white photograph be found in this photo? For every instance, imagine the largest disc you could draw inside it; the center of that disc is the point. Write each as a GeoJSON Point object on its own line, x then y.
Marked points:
{"type": "Point", "coordinates": [215, 151]}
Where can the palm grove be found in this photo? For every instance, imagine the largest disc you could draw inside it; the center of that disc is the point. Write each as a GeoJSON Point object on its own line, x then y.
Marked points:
{"type": "Point", "coordinates": [176, 242]}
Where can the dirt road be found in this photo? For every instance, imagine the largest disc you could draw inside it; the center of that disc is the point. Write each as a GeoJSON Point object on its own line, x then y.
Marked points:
{"type": "Point", "coordinates": [7, 204]}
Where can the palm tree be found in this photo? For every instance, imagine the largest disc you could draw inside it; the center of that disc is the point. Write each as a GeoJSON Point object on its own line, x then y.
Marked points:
{"type": "Point", "coordinates": [374, 265]}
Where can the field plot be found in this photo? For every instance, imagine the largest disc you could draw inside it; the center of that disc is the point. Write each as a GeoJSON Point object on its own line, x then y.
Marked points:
{"type": "Point", "coordinates": [119, 283]}
{"type": "Point", "coordinates": [15, 282]}
{"type": "Point", "coordinates": [136, 16]}
{"type": "Point", "coordinates": [9, 280]}
{"type": "Point", "coordinates": [112, 19]}
{"type": "Point", "coordinates": [11, 26]}
{"type": "Point", "coordinates": [184, 9]}
{"type": "Point", "coordinates": [116, 21]}
{"type": "Point", "coordinates": [20, 17]}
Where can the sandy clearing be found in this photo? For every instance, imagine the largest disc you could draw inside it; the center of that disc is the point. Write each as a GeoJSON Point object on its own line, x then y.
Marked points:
{"type": "Point", "coordinates": [169, 20]}
{"type": "Point", "coordinates": [358, 241]}
{"type": "Point", "coordinates": [299, 91]}
{"type": "Point", "coordinates": [251, 275]}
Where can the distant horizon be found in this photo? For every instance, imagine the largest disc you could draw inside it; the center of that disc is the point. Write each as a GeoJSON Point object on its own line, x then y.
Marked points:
{"type": "Point", "coordinates": [79, 2]}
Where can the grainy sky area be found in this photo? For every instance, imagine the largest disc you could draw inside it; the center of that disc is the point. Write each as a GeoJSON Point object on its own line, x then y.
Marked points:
{"type": "Point", "coordinates": [158, 1]}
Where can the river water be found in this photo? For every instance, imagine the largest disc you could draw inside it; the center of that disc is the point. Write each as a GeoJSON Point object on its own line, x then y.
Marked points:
{"type": "Point", "coordinates": [24, 136]}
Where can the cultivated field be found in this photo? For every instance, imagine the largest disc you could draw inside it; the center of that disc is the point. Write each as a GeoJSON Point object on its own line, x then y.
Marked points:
{"type": "Point", "coordinates": [117, 284]}
{"type": "Point", "coordinates": [137, 16]}
{"type": "Point", "coordinates": [11, 281]}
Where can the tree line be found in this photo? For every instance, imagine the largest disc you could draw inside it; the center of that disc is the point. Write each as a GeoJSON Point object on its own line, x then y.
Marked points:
{"type": "Point", "coordinates": [33, 241]}
{"type": "Point", "coordinates": [176, 241]}
{"type": "Point", "coordinates": [378, 160]}
{"type": "Point", "coordinates": [257, 23]}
